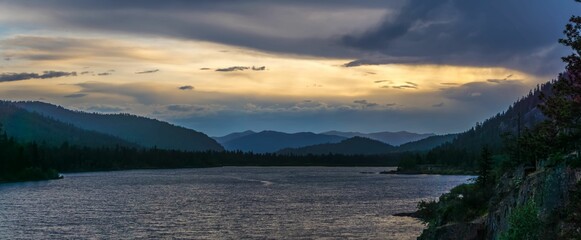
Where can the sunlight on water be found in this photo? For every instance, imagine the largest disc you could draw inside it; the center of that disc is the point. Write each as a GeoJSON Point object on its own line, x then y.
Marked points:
{"type": "Point", "coordinates": [220, 203]}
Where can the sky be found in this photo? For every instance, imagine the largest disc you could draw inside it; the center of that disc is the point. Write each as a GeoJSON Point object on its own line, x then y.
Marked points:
{"type": "Point", "coordinates": [221, 66]}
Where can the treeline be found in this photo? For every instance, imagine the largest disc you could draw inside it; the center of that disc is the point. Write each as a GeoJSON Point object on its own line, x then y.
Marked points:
{"type": "Point", "coordinates": [34, 161]}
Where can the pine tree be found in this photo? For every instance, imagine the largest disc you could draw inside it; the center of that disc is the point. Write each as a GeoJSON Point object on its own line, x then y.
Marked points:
{"type": "Point", "coordinates": [485, 167]}
{"type": "Point", "coordinates": [563, 108]}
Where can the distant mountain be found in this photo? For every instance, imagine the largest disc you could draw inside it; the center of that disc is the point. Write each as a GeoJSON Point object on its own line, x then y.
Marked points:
{"type": "Point", "coordinates": [351, 146]}
{"type": "Point", "coordinates": [427, 144]}
{"type": "Point", "coordinates": [140, 130]}
{"type": "Point", "coordinates": [392, 138]}
{"type": "Point", "coordinates": [271, 141]}
{"type": "Point", "coordinates": [25, 126]}
{"type": "Point", "coordinates": [233, 136]}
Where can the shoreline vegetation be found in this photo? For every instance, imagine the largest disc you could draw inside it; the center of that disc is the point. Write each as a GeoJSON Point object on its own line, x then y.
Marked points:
{"type": "Point", "coordinates": [440, 170]}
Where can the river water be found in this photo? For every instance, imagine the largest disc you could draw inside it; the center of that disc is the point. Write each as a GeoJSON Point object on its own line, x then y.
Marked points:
{"type": "Point", "coordinates": [220, 203]}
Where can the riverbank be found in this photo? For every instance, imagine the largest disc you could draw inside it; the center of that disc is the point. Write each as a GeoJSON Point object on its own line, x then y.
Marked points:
{"type": "Point", "coordinates": [447, 171]}
{"type": "Point", "coordinates": [30, 174]}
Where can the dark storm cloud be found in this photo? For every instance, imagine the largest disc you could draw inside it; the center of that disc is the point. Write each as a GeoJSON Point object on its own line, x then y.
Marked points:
{"type": "Point", "coordinates": [148, 71]}
{"type": "Point", "coordinates": [9, 77]}
{"type": "Point", "coordinates": [76, 95]}
{"type": "Point", "coordinates": [509, 33]}
{"type": "Point", "coordinates": [104, 74]}
{"type": "Point", "coordinates": [187, 87]}
{"type": "Point", "coordinates": [289, 26]}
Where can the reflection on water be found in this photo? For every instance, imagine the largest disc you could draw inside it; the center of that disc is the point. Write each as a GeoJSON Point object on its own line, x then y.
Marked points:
{"type": "Point", "coordinates": [220, 203]}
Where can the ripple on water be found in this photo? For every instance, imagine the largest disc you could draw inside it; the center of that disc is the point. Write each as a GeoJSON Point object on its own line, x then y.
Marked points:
{"type": "Point", "coordinates": [220, 203]}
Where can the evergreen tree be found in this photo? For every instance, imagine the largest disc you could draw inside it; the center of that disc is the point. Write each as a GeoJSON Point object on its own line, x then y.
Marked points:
{"type": "Point", "coordinates": [563, 108]}
{"type": "Point", "coordinates": [485, 167]}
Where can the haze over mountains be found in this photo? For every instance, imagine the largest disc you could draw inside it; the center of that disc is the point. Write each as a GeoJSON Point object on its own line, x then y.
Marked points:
{"type": "Point", "coordinates": [51, 124]}
{"type": "Point", "coordinates": [272, 141]}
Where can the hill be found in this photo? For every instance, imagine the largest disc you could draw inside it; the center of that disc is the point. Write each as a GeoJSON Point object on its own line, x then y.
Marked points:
{"type": "Point", "coordinates": [427, 144]}
{"type": "Point", "coordinates": [271, 141]}
{"type": "Point", "coordinates": [143, 131]}
{"type": "Point", "coordinates": [351, 146]}
{"type": "Point", "coordinates": [25, 126]}
{"type": "Point", "coordinates": [232, 136]}
{"type": "Point", "coordinates": [392, 138]}
{"type": "Point", "coordinates": [464, 150]}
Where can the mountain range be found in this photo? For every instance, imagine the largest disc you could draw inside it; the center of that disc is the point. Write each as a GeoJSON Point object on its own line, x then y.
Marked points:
{"type": "Point", "coordinates": [367, 146]}
{"type": "Point", "coordinates": [391, 138]}
{"type": "Point", "coordinates": [51, 124]}
{"type": "Point", "coordinates": [140, 131]}
{"type": "Point", "coordinates": [271, 141]}
{"type": "Point", "coordinates": [26, 126]}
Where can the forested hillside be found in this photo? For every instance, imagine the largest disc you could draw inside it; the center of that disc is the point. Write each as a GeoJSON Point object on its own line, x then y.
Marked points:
{"type": "Point", "coordinates": [25, 126]}
{"type": "Point", "coordinates": [464, 150]}
{"type": "Point", "coordinates": [140, 130]}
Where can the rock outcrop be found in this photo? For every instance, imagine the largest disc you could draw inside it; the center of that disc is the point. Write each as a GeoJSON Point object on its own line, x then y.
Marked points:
{"type": "Point", "coordinates": [550, 188]}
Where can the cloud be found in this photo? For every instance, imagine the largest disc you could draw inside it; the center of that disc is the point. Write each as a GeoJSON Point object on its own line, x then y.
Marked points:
{"type": "Point", "coordinates": [9, 77]}
{"type": "Point", "coordinates": [240, 68]}
{"type": "Point", "coordinates": [52, 48]}
{"type": "Point", "coordinates": [474, 33]}
{"type": "Point", "coordinates": [148, 71]}
{"type": "Point", "coordinates": [483, 92]}
{"type": "Point", "coordinates": [477, 33]}
{"type": "Point", "coordinates": [106, 109]}
{"type": "Point", "coordinates": [76, 95]}
{"type": "Point", "coordinates": [186, 87]}
{"type": "Point", "coordinates": [365, 103]}
{"type": "Point", "coordinates": [382, 81]}
{"type": "Point", "coordinates": [299, 27]}
{"type": "Point", "coordinates": [184, 108]}
{"type": "Point", "coordinates": [232, 69]}
{"type": "Point", "coordinates": [438, 105]}
{"type": "Point", "coordinates": [104, 74]}
{"type": "Point", "coordinates": [406, 86]}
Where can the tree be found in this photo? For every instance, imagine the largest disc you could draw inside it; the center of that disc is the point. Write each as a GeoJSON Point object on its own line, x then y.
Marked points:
{"type": "Point", "coordinates": [563, 107]}
{"type": "Point", "coordinates": [485, 167]}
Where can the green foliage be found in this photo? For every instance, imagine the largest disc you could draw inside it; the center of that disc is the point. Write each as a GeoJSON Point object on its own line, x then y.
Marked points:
{"type": "Point", "coordinates": [523, 223]}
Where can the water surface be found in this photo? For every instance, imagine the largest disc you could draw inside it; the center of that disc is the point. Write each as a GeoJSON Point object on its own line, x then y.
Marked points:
{"type": "Point", "coordinates": [220, 203]}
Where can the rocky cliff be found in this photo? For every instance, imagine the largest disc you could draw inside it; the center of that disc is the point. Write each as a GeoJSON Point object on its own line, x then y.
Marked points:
{"type": "Point", "coordinates": [527, 203]}
{"type": "Point", "coordinates": [551, 189]}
